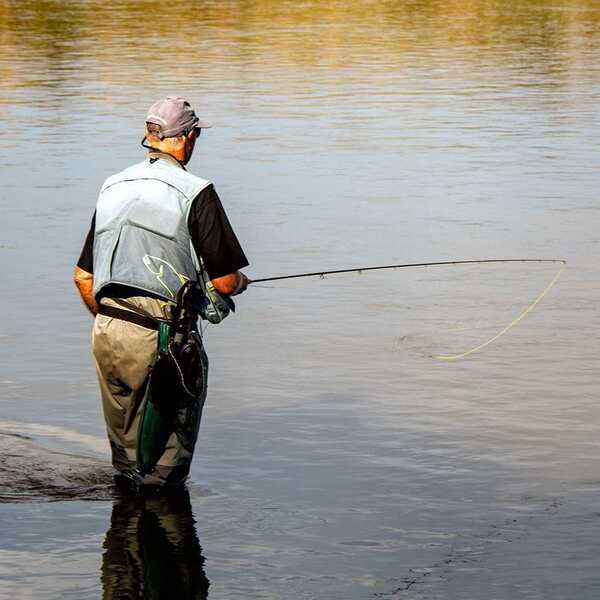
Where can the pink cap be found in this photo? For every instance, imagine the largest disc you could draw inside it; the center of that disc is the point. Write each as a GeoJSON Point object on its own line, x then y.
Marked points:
{"type": "Point", "coordinates": [175, 116]}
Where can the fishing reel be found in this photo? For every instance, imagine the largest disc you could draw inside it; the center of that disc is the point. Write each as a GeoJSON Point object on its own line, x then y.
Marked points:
{"type": "Point", "coordinates": [212, 306]}
{"type": "Point", "coordinates": [199, 299]}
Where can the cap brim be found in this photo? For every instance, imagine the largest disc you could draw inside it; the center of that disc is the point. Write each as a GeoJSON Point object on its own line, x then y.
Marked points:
{"type": "Point", "coordinates": [203, 124]}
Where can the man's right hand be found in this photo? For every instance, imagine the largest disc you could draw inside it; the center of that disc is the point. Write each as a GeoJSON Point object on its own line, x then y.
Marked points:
{"type": "Point", "coordinates": [232, 284]}
{"type": "Point", "coordinates": [242, 284]}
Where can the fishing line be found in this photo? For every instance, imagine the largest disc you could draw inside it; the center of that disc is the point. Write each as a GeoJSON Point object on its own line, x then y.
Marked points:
{"type": "Point", "coordinates": [451, 357]}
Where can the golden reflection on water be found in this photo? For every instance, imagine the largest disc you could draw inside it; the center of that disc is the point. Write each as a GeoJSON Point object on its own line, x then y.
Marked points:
{"type": "Point", "coordinates": [267, 34]}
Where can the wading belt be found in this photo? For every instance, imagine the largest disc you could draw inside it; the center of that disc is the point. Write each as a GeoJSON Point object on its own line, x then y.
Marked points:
{"type": "Point", "coordinates": [135, 315]}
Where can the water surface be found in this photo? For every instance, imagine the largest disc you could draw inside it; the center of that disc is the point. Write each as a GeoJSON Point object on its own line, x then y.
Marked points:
{"type": "Point", "coordinates": [336, 458]}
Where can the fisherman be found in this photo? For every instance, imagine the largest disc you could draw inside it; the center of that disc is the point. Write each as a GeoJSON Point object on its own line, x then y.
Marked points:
{"type": "Point", "coordinates": [155, 228]}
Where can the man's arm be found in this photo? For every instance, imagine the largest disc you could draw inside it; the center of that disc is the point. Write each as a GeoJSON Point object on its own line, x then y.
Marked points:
{"type": "Point", "coordinates": [85, 282]}
{"type": "Point", "coordinates": [215, 241]}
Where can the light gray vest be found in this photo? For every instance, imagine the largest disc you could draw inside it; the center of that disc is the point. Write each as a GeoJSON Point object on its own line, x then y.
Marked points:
{"type": "Point", "coordinates": [141, 237]}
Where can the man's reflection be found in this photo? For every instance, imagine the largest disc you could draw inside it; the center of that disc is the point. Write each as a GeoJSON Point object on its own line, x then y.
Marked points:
{"type": "Point", "coordinates": [152, 550]}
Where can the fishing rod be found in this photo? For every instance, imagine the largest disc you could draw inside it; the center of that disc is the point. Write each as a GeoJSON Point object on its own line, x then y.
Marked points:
{"type": "Point", "coordinates": [322, 274]}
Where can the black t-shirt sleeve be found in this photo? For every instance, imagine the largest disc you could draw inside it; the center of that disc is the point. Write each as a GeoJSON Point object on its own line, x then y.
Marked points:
{"type": "Point", "coordinates": [86, 259]}
{"type": "Point", "coordinates": [213, 236]}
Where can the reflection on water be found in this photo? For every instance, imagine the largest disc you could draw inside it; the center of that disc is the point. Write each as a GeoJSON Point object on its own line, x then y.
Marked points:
{"type": "Point", "coordinates": [357, 31]}
{"type": "Point", "coordinates": [152, 550]}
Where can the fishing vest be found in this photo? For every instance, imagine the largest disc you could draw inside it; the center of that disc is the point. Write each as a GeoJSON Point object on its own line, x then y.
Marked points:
{"type": "Point", "coordinates": [141, 238]}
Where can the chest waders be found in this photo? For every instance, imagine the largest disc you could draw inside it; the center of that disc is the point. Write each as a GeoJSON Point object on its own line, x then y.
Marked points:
{"type": "Point", "coordinates": [176, 387]}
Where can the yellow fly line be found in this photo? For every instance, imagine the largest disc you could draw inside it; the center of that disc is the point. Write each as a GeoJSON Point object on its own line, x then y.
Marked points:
{"type": "Point", "coordinates": [451, 357]}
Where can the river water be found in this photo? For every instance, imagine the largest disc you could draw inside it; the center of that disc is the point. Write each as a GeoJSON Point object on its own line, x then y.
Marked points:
{"type": "Point", "coordinates": [337, 457]}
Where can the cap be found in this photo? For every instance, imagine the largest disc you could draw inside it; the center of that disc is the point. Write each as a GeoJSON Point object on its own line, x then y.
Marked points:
{"type": "Point", "coordinates": [174, 115]}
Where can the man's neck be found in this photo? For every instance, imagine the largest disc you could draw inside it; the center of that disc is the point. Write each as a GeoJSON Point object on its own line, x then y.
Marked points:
{"type": "Point", "coordinates": [154, 155]}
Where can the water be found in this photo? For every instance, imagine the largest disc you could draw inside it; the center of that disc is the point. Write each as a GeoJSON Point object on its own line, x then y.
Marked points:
{"type": "Point", "coordinates": [336, 459]}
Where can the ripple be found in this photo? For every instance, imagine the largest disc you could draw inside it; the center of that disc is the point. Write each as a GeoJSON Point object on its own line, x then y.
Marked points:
{"type": "Point", "coordinates": [31, 473]}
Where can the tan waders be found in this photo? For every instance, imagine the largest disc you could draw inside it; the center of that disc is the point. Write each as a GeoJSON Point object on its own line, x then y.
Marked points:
{"type": "Point", "coordinates": [125, 354]}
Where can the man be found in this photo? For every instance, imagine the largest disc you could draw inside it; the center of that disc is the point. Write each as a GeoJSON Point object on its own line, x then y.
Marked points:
{"type": "Point", "coordinates": [156, 226]}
